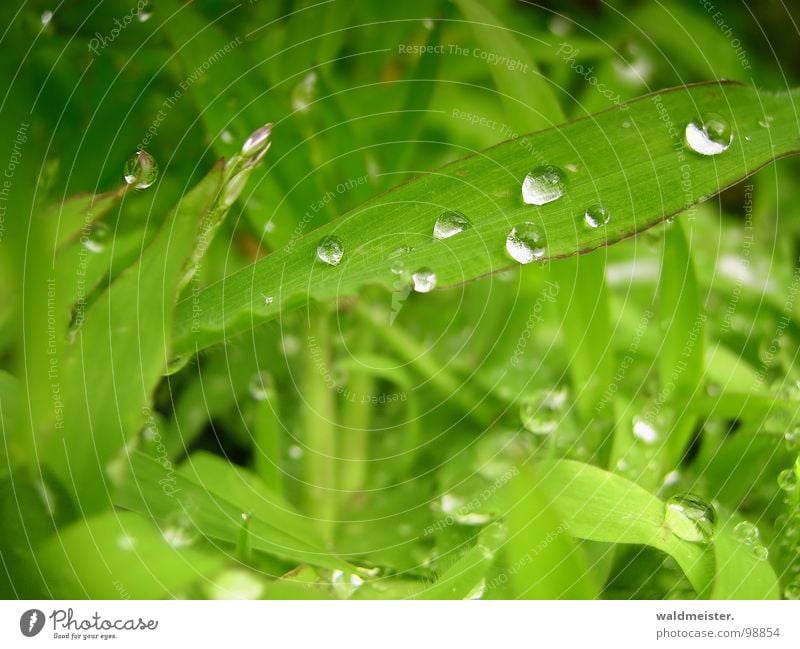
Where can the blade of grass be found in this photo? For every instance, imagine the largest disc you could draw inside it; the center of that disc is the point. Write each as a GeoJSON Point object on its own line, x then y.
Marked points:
{"type": "Point", "coordinates": [601, 506]}
{"type": "Point", "coordinates": [628, 169]}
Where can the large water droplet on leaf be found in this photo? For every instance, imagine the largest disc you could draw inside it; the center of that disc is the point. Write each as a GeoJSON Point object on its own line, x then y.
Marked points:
{"type": "Point", "coordinates": [711, 135]}
{"type": "Point", "coordinates": [544, 185]}
{"type": "Point", "coordinates": [449, 224]}
{"type": "Point", "coordinates": [525, 243]}
{"type": "Point", "coordinates": [330, 250]}
{"type": "Point", "coordinates": [690, 518]}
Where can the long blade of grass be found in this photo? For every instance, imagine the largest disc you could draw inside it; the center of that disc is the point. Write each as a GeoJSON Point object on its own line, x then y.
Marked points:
{"type": "Point", "coordinates": [628, 169]}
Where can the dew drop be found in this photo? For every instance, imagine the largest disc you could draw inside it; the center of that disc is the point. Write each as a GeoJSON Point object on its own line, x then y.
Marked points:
{"type": "Point", "coordinates": [236, 584]}
{"type": "Point", "coordinates": [759, 552]}
{"type": "Point", "coordinates": [268, 299]}
{"type": "Point", "coordinates": [691, 518]}
{"type": "Point", "coordinates": [256, 143]}
{"type": "Point", "coordinates": [644, 431]}
{"type": "Point", "coordinates": [746, 533]}
{"type": "Point", "coordinates": [345, 584]}
{"type": "Point", "coordinates": [145, 13]}
{"type": "Point", "coordinates": [596, 216]}
{"type": "Point", "coordinates": [424, 280]}
{"type": "Point", "coordinates": [295, 452]}
{"type": "Point", "coordinates": [544, 185]}
{"type": "Point", "coordinates": [626, 124]}
{"type": "Point", "coordinates": [792, 590]}
{"type": "Point", "coordinates": [398, 268]}
{"type": "Point", "coordinates": [140, 170]}
{"type": "Point", "coordinates": [177, 363]}
{"type": "Point", "coordinates": [261, 386]}
{"type": "Point", "coordinates": [98, 237]}
{"type": "Point", "coordinates": [330, 250]}
{"type": "Point", "coordinates": [792, 438]}
{"type": "Point", "coordinates": [541, 411]}
{"type": "Point", "coordinates": [46, 17]}
{"type": "Point", "coordinates": [234, 187]}
{"type": "Point", "coordinates": [226, 136]}
{"type": "Point", "coordinates": [462, 511]}
{"type": "Point", "coordinates": [525, 243]}
{"type": "Point", "coordinates": [710, 136]}
{"type": "Point", "coordinates": [787, 480]}
{"type": "Point", "coordinates": [477, 591]}
{"type": "Point", "coordinates": [449, 224]}
{"type": "Point", "coordinates": [179, 531]}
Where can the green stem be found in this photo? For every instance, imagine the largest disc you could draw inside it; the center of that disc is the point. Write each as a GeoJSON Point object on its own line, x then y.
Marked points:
{"type": "Point", "coordinates": [317, 417]}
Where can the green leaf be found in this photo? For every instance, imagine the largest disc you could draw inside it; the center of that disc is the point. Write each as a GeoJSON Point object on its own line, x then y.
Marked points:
{"type": "Point", "coordinates": [120, 555]}
{"type": "Point", "coordinates": [601, 506]}
{"type": "Point", "coordinates": [79, 212]}
{"type": "Point", "coordinates": [681, 353]}
{"type": "Point", "coordinates": [211, 495]}
{"type": "Point", "coordinates": [121, 352]}
{"type": "Point", "coordinates": [633, 171]}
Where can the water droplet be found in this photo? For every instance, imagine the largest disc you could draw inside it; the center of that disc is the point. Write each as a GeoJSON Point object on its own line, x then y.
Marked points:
{"type": "Point", "coordinates": [330, 250]}
{"type": "Point", "coordinates": [345, 584]}
{"type": "Point", "coordinates": [295, 452]}
{"type": "Point", "coordinates": [424, 280]}
{"type": "Point", "coordinates": [290, 345]}
{"type": "Point", "coordinates": [792, 590]}
{"type": "Point", "coordinates": [544, 185]}
{"type": "Point", "coordinates": [477, 591]}
{"type": "Point", "coordinates": [126, 542]}
{"type": "Point", "coordinates": [399, 252]}
{"type": "Point", "coordinates": [559, 25]}
{"type": "Point", "coordinates": [541, 411]}
{"type": "Point", "coordinates": [256, 143]}
{"type": "Point", "coordinates": [633, 66]}
{"type": "Point", "coordinates": [98, 237]}
{"type": "Point", "coordinates": [226, 136]}
{"type": "Point", "coordinates": [690, 518]}
{"type": "Point", "coordinates": [787, 480]}
{"type": "Point", "coordinates": [261, 386]}
{"type": "Point", "coordinates": [792, 438]}
{"type": "Point", "coordinates": [766, 122]}
{"type": "Point", "coordinates": [596, 216]}
{"type": "Point", "coordinates": [268, 299]}
{"type": "Point", "coordinates": [398, 268]}
{"type": "Point", "coordinates": [179, 531]}
{"type": "Point", "coordinates": [710, 136]}
{"type": "Point", "coordinates": [141, 170]}
{"type": "Point", "coordinates": [746, 533]}
{"type": "Point", "coordinates": [236, 583]}
{"type": "Point", "coordinates": [759, 552]}
{"type": "Point", "coordinates": [644, 431]}
{"type": "Point", "coordinates": [46, 17]}
{"type": "Point", "coordinates": [626, 124]}
{"type": "Point", "coordinates": [462, 511]}
{"type": "Point", "coordinates": [304, 93]}
{"type": "Point", "coordinates": [145, 13]}
{"type": "Point", "coordinates": [525, 243]}
{"type": "Point", "coordinates": [449, 224]}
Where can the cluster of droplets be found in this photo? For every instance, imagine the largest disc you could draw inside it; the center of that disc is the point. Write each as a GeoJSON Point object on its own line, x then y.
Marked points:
{"type": "Point", "coordinates": [748, 535]}
{"type": "Point", "coordinates": [788, 524]}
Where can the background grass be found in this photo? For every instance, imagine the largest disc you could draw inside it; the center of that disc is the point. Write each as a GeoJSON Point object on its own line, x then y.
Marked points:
{"type": "Point", "coordinates": [169, 435]}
